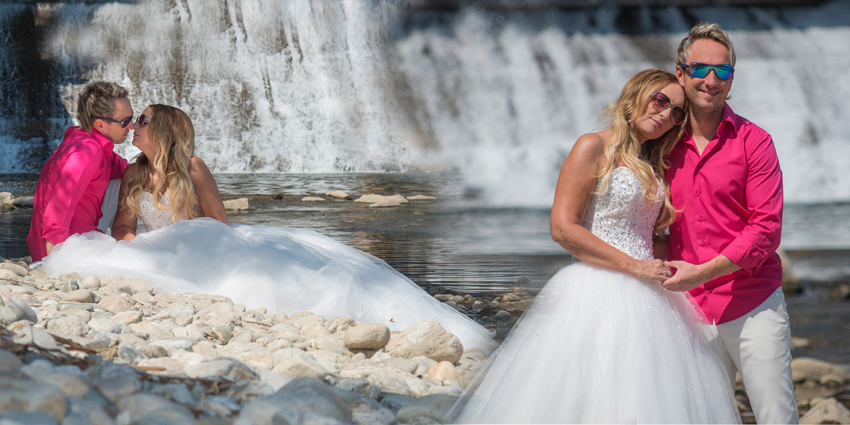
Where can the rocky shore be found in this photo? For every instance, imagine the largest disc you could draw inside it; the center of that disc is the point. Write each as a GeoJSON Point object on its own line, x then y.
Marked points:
{"type": "Point", "coordinates": [101, 350]}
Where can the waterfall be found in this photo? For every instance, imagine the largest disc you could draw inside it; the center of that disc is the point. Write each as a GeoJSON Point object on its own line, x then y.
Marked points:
{"type": "Point", "coordinates": [327, 86]}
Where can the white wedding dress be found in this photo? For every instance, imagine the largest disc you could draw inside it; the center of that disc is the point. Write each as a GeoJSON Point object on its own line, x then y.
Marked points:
{"type": "Point", "coordinates": [283, 269]}
{"type": "Point", "coordinates": [602, 347]}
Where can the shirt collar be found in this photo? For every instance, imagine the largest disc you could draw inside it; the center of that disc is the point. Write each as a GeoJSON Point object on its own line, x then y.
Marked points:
{"type": "Point", "coordinates": [730, 118]}
{"type": "Point", "coordinates": [103, 141]}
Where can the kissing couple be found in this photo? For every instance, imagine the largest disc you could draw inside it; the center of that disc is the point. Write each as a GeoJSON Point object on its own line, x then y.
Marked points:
{"type": "Point", "coordinates": [190, 246]}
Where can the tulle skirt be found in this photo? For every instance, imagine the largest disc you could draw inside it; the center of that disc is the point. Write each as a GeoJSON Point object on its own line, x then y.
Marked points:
{"type": "Point", "coordinates": [283, 269]}
{"type": "Point", "coordinates": [601, 347]}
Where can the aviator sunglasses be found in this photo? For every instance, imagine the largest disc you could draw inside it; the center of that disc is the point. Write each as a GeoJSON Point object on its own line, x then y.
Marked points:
{"type": "Point", "coordinates": [660, 102]}
{"type": "Point", "coordinates": [124, 123]}
{"type": "Point", "coordinates": [701, 70]}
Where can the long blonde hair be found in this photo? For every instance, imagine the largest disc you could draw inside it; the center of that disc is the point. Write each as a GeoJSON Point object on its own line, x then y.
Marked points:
{"type": "Point", "coordinates": [645, 160]}
{"type": "Point", "coordinates": [172, 135]}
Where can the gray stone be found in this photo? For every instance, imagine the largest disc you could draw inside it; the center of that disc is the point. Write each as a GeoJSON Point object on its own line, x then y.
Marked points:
{"type": "Point", "coordinates": [36, 336]}
{"type": "Point", "coordinates": [367, 336]}
{"type": "Point", "coordinates": [37, 367]}
{"type": "Point", "coordinates": [297, 402]}
{"type": "Point", "coordinates": [433, 407]}
{"type": "Point", "coordinates": [141, 404]}
{"type": "Point", "coordinates": [502, 316]}
{"type": "Point", "coordinates": [427, 338]}
{"type": "Point", "coordinates": [152, 350]}
{"type": "Point", "coordinates": [395, 402]}
{"type": "Point", "coordinates": [9, 361]}
{"type": "Point", "coordinates": [117, 386]}
{"type": "Point", "coordinates": [17, 309]}
{"type": "Point", "coordinates": [70, 384]}
{"type": "Point", "coordinates": [18, 417]}
{"type": "Point", "coordinates": [70, 285]}
{"type": "Point", "coordinates": [30, 396]}
{"type": "Point", "coordinates": [89, 410]}
{"type": "Point", "coordinates": [370, 412]}
{"type": "Point", "coordinates": [130, 353]}
{"type": "Point", "coordinates": [69, 325]}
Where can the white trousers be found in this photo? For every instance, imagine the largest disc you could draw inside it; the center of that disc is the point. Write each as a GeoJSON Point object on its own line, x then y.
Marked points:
{"type": "Point", "coordinates": [758, 346]}
{"type": "Point", "coordinates": [109, 206]}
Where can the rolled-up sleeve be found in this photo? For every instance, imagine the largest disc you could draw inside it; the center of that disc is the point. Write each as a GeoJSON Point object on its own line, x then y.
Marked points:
{"type": "Point", "coordinates": [761, 236]}
{"type": "Point", "coordinates": [74, 178]}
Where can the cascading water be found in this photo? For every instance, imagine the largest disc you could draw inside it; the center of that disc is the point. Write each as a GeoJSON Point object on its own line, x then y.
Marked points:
{"type": "Point", "coordinates": [368, 85]}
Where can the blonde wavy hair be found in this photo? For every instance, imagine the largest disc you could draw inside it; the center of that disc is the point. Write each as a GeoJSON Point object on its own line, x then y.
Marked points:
{"type": "Point", "coordinates": [172, 135]}
{"type": "Point", "coordinates": [646, 160]}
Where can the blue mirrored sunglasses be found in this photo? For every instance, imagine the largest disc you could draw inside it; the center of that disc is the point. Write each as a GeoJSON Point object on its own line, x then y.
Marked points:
{"type": "Point", "coordinates": [124, 123]}
{"type": "Point", "coordinates": [701, 70]}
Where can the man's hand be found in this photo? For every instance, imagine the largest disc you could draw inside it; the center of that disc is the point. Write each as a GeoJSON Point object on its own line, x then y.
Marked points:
{"type": "Point", "coordinates": [687, 276]}
{"type": "Point", "coordinates": [49, 246]}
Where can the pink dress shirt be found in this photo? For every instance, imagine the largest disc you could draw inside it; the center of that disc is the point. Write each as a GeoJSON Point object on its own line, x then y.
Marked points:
{"type": "Point", "coordinates": [730, 199]}
{"type": "Point", "coordinates": [71, 187]}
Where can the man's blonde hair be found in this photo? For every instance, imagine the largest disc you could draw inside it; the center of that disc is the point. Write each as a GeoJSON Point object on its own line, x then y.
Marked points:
{"type": "Point", "coordinates": [704, 31]}
{"type": "Point", "coordinates": [98, 98]}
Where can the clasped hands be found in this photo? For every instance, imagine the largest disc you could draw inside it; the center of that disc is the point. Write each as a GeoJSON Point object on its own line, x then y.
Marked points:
{"type": "Point", "coordinates": [674, 275]}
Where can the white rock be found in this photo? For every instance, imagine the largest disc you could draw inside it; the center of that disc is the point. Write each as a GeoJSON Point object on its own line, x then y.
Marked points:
{"type": "Point", "coordinates": [299, 365]}
{"type": "Point", "coordinates": [214, 368]}
{"type": "Point", "coordinates": [79, 296]}
{"type": "Point", "coordinates": [104, 325]}
{"type": "Point", "coordinates": [829, 411]}
{"type": "Point", "coordinates": [19, 271]}
{"type": "Point", "coordinates": [312, 199]}
{"type": "Point", "coordinates": [426, 338]}
{"type": "Point", "coordinates": [236, 204]}
{"type": "Point", "coordinates": [68, 325]}
{"type": "Point", "coordinates": [444, 373]}
{"type": "Point", "coordinates": [421, 198]}
{"type": "Point", "coordinates": [803, 368]}
{"type": "Point", "coordinates": [91, 282]}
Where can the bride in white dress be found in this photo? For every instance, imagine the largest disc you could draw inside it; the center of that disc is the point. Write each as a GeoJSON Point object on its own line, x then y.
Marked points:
{"type": "Point", "coordinates": [190, 247]}
{"type": "Point", "coordinates": [604, 342]}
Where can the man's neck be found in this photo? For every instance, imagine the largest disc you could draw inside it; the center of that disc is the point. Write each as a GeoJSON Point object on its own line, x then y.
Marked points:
{"type": "Point", "coordinates": [704, 126]}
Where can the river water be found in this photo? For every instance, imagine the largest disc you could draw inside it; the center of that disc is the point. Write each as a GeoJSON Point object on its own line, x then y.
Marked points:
{"type": "Point", "coordinates": [459, 244]}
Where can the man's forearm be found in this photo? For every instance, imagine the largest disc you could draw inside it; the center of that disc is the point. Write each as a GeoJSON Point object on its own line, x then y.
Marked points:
{"type": "Point", "coordinates": [718, 266]}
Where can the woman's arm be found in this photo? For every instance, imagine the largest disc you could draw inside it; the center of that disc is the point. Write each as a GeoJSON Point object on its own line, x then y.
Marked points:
{"type": "Point", "coordinates": [124, 225]}
{"type": "Point", "coordinates": [576, 184]}
{"type": "Point", "coordinates": [207, 190]}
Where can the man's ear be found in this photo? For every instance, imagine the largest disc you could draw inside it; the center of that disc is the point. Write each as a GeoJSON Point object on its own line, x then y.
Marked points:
{"type": "Point", "coordinates": [680, 75]}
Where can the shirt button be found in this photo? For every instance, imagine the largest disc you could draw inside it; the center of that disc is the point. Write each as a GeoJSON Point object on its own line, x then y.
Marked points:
{"type": "Point", "coordinates": [697, 193]}
{"type": "Point", "coordinates": [702, 243]}
{"type": "Point", "coordinates": [699, 219]}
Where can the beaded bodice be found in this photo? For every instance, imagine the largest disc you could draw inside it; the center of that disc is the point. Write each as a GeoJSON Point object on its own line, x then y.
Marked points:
{"type": "Point", "coordinates": [621, 216]}
{"type": "Point", "coordinates": [153, 217]}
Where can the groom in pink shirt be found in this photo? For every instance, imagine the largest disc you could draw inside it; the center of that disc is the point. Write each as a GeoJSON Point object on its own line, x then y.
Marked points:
{"type": "Point", "coordinates": [727, 186]}
{"type": "Point", "coordinates": [73, 182]}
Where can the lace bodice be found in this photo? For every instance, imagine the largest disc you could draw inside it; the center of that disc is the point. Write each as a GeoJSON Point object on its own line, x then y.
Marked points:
{"type": "Point", "coordinates": [622, 217]}
{"type": "Point", "coordinates": [153, 217]}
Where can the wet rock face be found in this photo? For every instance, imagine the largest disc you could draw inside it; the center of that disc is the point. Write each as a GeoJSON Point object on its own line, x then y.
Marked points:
{"type": "Point", "coordinates": [116, 351]}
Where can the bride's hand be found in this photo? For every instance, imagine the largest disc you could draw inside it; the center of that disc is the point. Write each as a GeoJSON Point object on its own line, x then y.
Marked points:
{"type": "Point", "coordinates": [129, 237]}
{"type": "Point", "coordinates": [652, 270]}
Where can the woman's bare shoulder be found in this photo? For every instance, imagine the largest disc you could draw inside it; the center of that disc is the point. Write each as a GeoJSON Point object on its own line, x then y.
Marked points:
{"type": "Point", "coordinates": [591, 146]}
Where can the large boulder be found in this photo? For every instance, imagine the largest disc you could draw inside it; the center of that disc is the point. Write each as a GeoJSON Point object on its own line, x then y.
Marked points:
{"type": "Point", "coordinates": [427, 338]}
